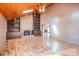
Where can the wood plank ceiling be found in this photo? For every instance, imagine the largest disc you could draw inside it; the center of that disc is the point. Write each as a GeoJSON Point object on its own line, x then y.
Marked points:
{"type": "Point", "coordinates": [10, 10]}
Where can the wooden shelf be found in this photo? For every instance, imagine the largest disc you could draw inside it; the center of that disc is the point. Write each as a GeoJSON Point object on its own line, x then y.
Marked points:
{"type": "Point", "coordinates": [36, 23]}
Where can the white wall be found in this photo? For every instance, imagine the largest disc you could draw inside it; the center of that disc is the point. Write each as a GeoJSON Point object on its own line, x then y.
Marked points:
{"type": "Point", "coordinates": [26, 23]}
{"type": "Point", "coordinates": [3, 30]}
{"type": "Point", "coordinates": [66, 19]}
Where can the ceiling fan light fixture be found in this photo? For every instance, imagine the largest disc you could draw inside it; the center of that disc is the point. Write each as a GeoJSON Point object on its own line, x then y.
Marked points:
{"type": "Point", "coordinates": [42, 9]}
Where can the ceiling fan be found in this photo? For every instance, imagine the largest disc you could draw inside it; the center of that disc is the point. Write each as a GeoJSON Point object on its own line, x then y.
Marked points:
{"type": "Point", "coordinates": [40, 8]}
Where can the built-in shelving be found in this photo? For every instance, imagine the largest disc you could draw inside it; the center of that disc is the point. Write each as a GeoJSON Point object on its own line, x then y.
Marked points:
{"type": "Point", "coordinates": [36, 23]}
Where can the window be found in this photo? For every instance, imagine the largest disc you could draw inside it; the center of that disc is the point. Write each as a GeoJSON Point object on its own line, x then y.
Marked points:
{"type": "Point", "coordinates": [13, 25]}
